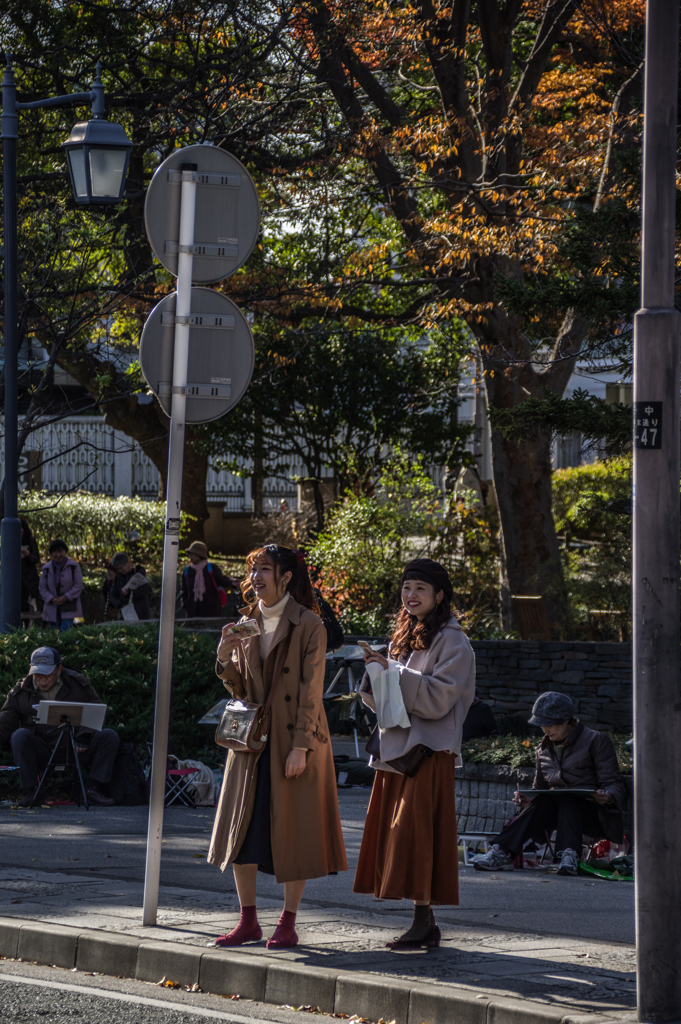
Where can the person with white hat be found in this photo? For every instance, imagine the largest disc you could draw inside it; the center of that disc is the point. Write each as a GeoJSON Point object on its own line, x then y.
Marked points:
{"type": "Point", "coordinates": [49, 679]}
{"type": "Point", "coordinates": [571, 756]}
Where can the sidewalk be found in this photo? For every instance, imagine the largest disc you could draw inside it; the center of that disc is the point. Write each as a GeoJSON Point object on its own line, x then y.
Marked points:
{"type": "Point", "coordinates": [80, 876]}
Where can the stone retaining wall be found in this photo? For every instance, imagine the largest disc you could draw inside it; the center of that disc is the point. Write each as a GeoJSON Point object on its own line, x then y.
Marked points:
{"type": "Point", "coordinates": [598, 676]}
{"type": "Point", "coordinates": [484, 795]}
{"type": "Point", "coordinates": [512, 673]}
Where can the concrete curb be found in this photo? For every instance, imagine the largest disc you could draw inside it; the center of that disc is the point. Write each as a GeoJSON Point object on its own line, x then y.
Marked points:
{"type": "Point", "coordinates": [227, 972]}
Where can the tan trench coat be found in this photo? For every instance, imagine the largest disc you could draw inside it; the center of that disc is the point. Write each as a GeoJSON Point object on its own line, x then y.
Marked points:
{"type": "Point", "coordinates": [307, 841]}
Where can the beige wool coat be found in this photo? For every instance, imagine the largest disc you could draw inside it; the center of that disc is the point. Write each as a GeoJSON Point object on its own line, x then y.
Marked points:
{"type": "Point", "coordinates": [307, 841]}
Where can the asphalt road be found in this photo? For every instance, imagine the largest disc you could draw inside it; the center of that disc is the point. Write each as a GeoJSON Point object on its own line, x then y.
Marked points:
{"type": "Point", "coordinates": [109, 843]}
{"type": "Point", "coordinates": [53, 996]}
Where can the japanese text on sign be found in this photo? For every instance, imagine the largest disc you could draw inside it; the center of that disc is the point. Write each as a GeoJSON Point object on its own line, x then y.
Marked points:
{"type": "Point", "coordinates": [647, 424]}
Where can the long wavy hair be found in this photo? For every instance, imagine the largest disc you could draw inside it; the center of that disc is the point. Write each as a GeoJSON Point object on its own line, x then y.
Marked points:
{"type": "Point", "coordinates": [284, 560]}
{"type": "Point", "coordinates": [412, 635]}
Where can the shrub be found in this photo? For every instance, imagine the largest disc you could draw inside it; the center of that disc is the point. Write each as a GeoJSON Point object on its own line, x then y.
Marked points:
{"type": "Point", "coordinates": [519, 752]}
{"type": "Point", "coordinates": [592, 505]}
{"type": "Point", "coordinates": [95, 526]}
{"type": "Point", "coordinates": [120, 662]}
{"type": "Point", "coordinates": [368, 540]}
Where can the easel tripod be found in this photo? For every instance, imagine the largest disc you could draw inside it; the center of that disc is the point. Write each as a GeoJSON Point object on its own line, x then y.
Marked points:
{"type": "Point", "coordinates": [67, 736]}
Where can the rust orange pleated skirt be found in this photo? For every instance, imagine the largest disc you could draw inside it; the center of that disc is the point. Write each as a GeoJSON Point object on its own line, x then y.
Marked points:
{"type": "Point", "coordinates": [409, 848]}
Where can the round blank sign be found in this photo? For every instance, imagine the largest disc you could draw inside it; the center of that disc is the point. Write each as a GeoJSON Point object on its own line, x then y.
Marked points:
{"type": "Point", "coordinates": [227, 212]}
{"type": "Point", "coordinates": [221, 354]}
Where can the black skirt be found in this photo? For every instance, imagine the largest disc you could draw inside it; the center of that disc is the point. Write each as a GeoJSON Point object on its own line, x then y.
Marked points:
{"type": "Point", "coordinates": [257, 845]}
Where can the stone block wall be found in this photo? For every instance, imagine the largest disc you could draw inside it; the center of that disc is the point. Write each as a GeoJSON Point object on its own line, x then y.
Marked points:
{"type": "Point", "coordinates": [512, 673]}
{"type": "Point", "coordinates": [484, 795]}
{"type": "Point", "coordinates": [598, 676]}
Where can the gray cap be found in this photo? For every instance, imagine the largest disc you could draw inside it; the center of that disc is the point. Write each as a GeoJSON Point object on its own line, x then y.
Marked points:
{"type": "Point", "coordinates": [44, 660]}
{"type": "Point", "coordinates": [551, 708]}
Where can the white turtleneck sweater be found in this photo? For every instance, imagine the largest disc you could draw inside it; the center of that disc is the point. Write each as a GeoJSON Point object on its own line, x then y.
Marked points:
{"type": "Point", "coordinates": [269, 623]}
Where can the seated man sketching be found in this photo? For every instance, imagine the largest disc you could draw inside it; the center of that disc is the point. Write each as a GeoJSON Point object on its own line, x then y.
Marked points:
{"type": "Point", "coordinates": [570, 756]}
{"type": "Point", "coordinates": [32, 744]}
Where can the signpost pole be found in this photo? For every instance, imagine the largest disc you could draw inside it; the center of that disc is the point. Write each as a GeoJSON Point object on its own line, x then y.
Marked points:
{"type": "Point", "coordinates": [655, 574]}
{"type": "Point", "coordinates": [170, 546]}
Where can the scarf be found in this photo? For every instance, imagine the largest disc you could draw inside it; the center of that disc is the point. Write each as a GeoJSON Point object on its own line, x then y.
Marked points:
{"type": "Point", "coordinates": [199, 580]}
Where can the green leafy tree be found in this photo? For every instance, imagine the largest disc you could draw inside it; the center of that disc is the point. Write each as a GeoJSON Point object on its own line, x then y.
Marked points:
{"type": "Point", "coordinates": [486, 129]}
{"type": "Point", "coordinates": [592, 506]}
{"type": "Point", "coordinates": [367, 540]}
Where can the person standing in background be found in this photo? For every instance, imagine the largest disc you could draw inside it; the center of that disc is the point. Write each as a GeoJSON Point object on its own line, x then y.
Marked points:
{"type": "Point", "coordinates": [130, 591]}
{"type": "Point", "coordinates": [203, 585]}
{"type": "Point", "coordinates": [30, 559]}
{"type": "Point", "coordinates": [61, 584]}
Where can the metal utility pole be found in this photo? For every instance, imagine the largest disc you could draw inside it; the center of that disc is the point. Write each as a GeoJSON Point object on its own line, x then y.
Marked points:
{"type": "Point", "coordinates": [656, 555]}
{"type": "Point", "coordinates": [197, 355]}
{"type": "Point", "coordinates": [171, 543]}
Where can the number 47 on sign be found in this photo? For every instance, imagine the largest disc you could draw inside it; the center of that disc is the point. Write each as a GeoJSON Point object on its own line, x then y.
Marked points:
{"type": "Point", "coordinates": [647, 424]}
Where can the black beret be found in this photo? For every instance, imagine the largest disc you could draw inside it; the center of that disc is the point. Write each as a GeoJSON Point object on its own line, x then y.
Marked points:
{"type": "Point", "coordinates": [430, 572]}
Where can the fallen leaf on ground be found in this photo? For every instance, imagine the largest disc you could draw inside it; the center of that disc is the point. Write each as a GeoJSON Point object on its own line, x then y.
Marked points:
{"type": "Point", "coordinates": [235, 996]}
{"type": "Point", "coordinates": [15, 901]}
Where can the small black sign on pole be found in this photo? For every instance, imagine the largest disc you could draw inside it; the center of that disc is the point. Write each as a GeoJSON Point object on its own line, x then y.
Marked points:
{"type": "Point", "coordinates": [647, 424]}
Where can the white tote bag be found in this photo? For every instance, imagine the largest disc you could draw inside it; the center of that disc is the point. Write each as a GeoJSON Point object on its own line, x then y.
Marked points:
{"type": "Point", "coordinates": [128, 612]}
{"type": "Point", "coordinates": [390, 709]}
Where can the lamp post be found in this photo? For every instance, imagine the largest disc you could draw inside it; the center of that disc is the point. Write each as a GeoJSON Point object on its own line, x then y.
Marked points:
{"type": "Point", "coordinates": [98, 152]}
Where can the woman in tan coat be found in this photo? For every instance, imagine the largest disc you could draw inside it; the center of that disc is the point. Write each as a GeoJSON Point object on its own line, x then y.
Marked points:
{"type": "Point", "coordinates": [278, 810]}
{"type": "Point", "coordinates": [409, 847]}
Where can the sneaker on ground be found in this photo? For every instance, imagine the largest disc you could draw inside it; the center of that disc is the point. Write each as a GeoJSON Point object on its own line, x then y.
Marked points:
{"type": "Point", "coordinates": [569, 862]}
{"type": "Point", "coordinates": [495, 859]}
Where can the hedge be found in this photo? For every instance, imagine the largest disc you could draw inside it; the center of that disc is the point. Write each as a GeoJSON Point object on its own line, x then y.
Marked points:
{"type": "Point", "coordinates": [95, 526]}
{"type": "Point", "coordinates": [120, 662]}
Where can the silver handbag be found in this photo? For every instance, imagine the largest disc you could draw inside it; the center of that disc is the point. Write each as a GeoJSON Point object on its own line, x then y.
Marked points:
{"type": "Point", "coordinates": [244, 726]}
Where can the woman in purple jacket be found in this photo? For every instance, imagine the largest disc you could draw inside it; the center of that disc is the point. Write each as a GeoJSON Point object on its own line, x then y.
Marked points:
{"type": "Point", "coordinates": [61, 584]}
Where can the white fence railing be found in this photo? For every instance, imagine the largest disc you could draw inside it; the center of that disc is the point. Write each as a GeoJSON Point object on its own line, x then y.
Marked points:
{"type": "Point", "coordinates": [84, 453]}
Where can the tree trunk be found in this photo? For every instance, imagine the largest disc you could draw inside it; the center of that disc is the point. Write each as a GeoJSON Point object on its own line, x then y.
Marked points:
{"type": "Point", "coordinates": [530, 555]}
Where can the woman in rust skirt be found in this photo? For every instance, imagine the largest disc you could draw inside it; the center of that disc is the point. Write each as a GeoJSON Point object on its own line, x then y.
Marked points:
{"type": "Point", "coordinates": [409, 849]}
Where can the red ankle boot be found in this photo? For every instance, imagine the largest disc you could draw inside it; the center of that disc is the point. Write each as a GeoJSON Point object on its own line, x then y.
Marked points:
{"type": "Point", "coordinates": [247, 930]}
{"type": "Point", "coordinates": [284, 934]}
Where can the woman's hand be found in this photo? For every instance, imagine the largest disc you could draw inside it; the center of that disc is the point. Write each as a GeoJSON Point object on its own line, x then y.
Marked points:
{"type": "Point", "coordinates": [601, 797]}
{"type": "Point", "coordinates": [521, 801]}
{"type": "Point", "coordinates": [379, 658]}
{"type": "Point", "coordinates": [295, 763]}
{"type": "Point", "coordinates": [227, 644]}
{"type": "Point", "coordinates": [59, 600]}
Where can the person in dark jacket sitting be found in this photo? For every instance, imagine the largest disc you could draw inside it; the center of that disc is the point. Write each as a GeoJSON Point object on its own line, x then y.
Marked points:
{"type": "Point", "coordinates": [571, 756]}
{"type": "Point", "coordinates": [200, 594]}
{"type": "Point", "coordinates": [129, 593]}
{"type": "Point", "coordinates": [32, 744]}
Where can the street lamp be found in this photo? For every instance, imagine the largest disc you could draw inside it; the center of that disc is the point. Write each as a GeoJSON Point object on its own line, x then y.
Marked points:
{"type": "Point", "coordinates": [98, 153]}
